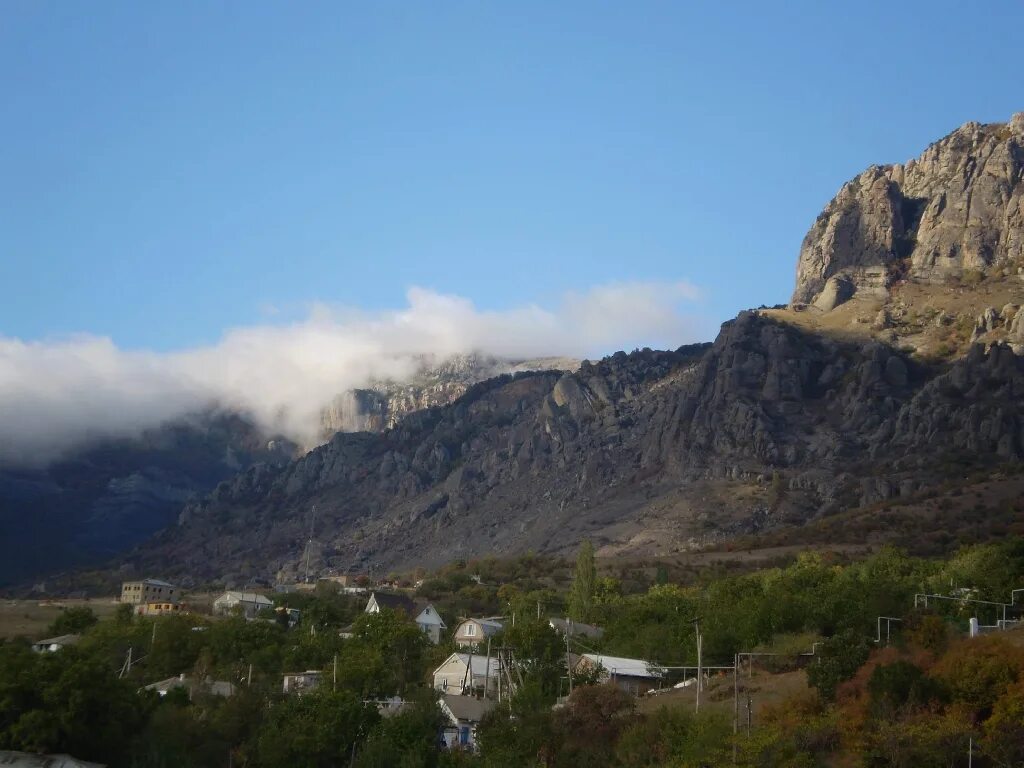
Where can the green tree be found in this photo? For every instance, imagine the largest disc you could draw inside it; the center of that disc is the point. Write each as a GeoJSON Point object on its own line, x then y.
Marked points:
{"type": "Point", "coordinates": [318, 730]}
{"type": "Point", "coordinates": [73, 621]}
{"type": "Point", "coordinates": [581, 593]}
{"type": "Point", "coordinates": [838, 659]}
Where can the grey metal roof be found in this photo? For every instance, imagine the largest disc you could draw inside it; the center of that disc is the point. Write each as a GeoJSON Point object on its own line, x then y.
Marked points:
{"type": "Point", "coordinates": [59, 640]}
{"type": "Point", "coordinates": [579, 629]}
{"type": "Point", "coordinates": [466, 708]}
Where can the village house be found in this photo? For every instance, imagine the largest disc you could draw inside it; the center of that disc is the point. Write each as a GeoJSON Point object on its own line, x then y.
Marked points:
{"type": "Point", "coordinates": [430, 621]}
{"type": "Point", "coordinates": [249, 604]}
{"type": "Point", "coordinates": [473, 633]}
{"type": "Point", "coordinates": [392, 601]}
{"type": "Point", "coordinates": [298, 683]}
{"type": "Point", "coordinates": [467, 673]}
{"type": "Point", "coordinates": [159, 609]}
{"type": "Point", "coordinates": [462, 715]}
{"type": "Point", "coordinates": [51, 644]}
{"type": "Point", "coordinates": [344, 580]}
{"type": "Point", "coordinates": [575, 628]}
{"type": "Point", "coordinates": [208, 686]}
{"type": "Point", "coordinates": [149, 591]}
{"type": "Point", "coordinates": [633, 676]}
{"type": "Point", "coordinates": [427, 618]}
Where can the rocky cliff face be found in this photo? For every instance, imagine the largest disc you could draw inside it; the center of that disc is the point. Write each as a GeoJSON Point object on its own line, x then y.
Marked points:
{"type": "Point", "coordinates": [957, 208]}
{"type": "Point", "coordinates": [903, 371]}
{"type": "Point", "coordinates": [382, 404]}
{"type": "Point", "coordinates": [655, 452]}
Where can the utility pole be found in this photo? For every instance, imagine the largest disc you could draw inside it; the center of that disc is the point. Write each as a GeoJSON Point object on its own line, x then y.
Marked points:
{"type": "Point", "coordinates": [152, 640]}
{"type": "Point", "coordinates": [335, 672]}
{"type": "Point", "coordinates": [487, 670]}
{"type": "Point", "coordinates": [248, 679]}
{"type": "Point", "coordinates": [750, 714]}
{"type": "Point", "coordinates": [696, 625]}
{"type": "Point", "coordinates": [735, 703]}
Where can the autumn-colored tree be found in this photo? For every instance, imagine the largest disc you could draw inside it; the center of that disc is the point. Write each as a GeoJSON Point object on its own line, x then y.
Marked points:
{"type": "Point", "coordinates": [1003, 740]}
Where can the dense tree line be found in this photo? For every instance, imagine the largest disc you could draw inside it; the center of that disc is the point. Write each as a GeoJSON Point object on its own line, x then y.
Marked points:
{"type": "Point", "coordinates": [909, 704]}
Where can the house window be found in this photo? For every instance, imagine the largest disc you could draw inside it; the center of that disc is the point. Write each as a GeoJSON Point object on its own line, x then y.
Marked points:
{"type": "Point", "coordinates": [471, 630]}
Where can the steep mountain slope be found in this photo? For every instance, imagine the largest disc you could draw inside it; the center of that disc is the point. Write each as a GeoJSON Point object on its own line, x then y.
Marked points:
{"type": "Point", "coordinates": [382, 404]}
{"type": "Point", "coordinates": [113, 494]}
{"type": "Point", "coordinates": [871, 391]}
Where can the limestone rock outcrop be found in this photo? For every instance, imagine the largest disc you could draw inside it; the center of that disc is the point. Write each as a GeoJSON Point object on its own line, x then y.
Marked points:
{"type": "Point", "coordinates": [958, 209]}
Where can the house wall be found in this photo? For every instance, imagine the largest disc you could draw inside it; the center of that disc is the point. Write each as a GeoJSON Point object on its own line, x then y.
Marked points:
{"type": "Point", "coordinates": [464, 639]}
{"type": "Point", "coordinates": [432, 631]}
{"type": "Point", "coordinates": [454, 673]}
{"type": "Point", "coordinates": [139, 593]}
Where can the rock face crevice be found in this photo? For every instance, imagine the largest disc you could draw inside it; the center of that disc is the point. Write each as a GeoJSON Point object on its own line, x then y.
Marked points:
{"type": "Point", "coordinates": [958, 207]}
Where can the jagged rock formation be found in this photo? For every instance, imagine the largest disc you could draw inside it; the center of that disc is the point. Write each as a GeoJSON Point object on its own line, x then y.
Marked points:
{"type": "Point", "coordinates": [895, 378]}
{"type": "Point", "coordinates": [382, 404]}
{"type": "Point", "coordinates": [958, 208]}
{"type": "Point", "coordinates": [540, 460]}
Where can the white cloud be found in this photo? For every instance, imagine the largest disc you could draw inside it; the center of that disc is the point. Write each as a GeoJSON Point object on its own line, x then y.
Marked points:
{"type": "Point", "coordinates": [57, 394]}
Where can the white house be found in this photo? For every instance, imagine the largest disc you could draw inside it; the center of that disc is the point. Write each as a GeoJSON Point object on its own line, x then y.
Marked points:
{"type": "Point", "coordinates": [465, 673]}
{"type": "Point", "coordinates": [427, 619]}
{"type": "Point", "coordinates": [473, 633]}
{"type": "Point", "coordinates": [575, 628]}
{"type": "Point", "coordinates": [430, 621]}
{"type": "Point", "coordinates": [462, 714]}
{"type": "Point", "coordinates": [299, 683]}
{"type": "Point", "coordinates": [631, 675]}
{"type": "Point", "coordinates": [51, 644]}
{"type": "Point", "coordinates": [208, 685]}
{"type": "Point", "coordinates": [251, 603]}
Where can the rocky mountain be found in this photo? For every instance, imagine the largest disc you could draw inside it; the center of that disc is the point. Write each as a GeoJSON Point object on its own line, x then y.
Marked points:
{"type": "Point", "coordinates": [894, 367]}
{"type": "Point", "coordinates": [954, 212]}
{"type": "Point", "coordinates": [109, 496]}
{"type": "Point", "coordinates": [382, 404]}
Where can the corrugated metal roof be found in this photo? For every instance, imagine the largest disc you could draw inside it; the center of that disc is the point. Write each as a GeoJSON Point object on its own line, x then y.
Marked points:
{"type": "Point", "coordinates": [247, 597]}
{"type": "Point", "coordinates": [617, 665]}
{"type": "Point", "coordinates": [479, 663]}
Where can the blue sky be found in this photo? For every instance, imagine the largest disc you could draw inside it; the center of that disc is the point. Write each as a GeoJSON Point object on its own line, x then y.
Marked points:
{"type": "Point", "coordinates": [172, 170]}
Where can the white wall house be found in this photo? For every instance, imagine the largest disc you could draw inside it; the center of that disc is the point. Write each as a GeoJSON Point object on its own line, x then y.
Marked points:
{"type": "Point", "coordinates": [453, 678]}
{"type": "Point", "coordinates": [462, 714]}
{"type": "Point", "coordinates": [430, 621]}
{"type": "Point", "coordinates": [634, 676]}
{"type": "Point", "coordinates": [251, 603]}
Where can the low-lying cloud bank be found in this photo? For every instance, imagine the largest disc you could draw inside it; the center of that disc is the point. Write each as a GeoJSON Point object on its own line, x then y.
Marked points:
{"type": "Point", "coordinates": [55, 395]}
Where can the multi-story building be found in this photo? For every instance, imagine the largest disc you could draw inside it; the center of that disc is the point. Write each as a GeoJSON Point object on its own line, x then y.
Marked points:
{"type": "Point", "coordinates": [148, 591]}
